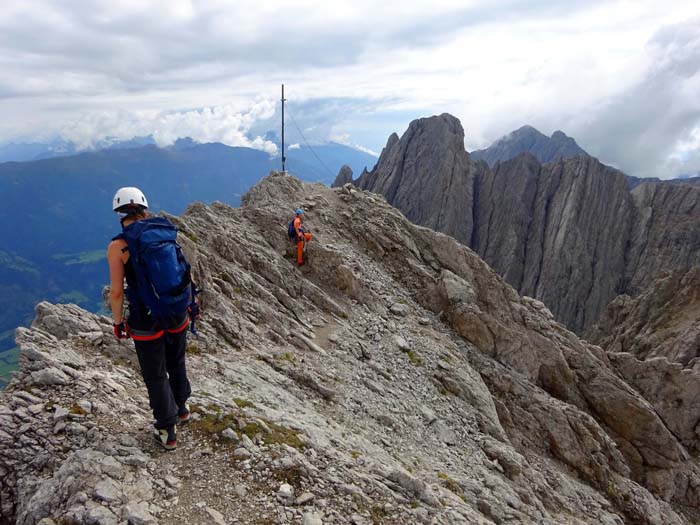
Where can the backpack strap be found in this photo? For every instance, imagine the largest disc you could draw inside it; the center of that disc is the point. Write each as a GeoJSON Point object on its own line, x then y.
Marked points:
{"type": "Point", "coordinates": [121, 237]}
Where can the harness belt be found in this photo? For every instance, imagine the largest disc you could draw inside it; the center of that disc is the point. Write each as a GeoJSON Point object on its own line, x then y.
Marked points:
{"type": "Point", "coordinates": [152, 335]}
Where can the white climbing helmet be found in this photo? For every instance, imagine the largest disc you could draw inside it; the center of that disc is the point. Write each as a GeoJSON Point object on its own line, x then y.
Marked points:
{"type": "Point", "coordinates": [125, 196]}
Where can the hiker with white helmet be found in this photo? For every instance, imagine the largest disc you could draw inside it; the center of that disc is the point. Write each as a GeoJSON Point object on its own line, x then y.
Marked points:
{"type": "Point", "coordinates": [160, 296]}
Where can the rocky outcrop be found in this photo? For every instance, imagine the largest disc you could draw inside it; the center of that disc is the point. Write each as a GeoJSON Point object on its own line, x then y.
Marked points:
{"type": "Point", "coordinates": [393, 379]}
{"type": "Point", "coordinates": [666, 237]}
{"type": "Point", "coordinates": [344, 177]}
{"type": "Point", "coordinates": [662, 321]}
{"type": "Point", "coordinates": [572, 233]}
{"type": "Point", "coordinates": [528, 140]}
{"type": "Point", "coordinates": [429, 176]}
{"type": "Point", "coordinates": [546, 230]}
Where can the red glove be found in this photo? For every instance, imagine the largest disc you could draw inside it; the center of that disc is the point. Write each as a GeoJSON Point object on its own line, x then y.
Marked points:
{"type": "Point", "coordinates": [121, 330]}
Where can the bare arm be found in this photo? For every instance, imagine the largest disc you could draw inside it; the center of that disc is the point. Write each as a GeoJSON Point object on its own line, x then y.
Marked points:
{"type": "Point", "coordinates": [115, 258]}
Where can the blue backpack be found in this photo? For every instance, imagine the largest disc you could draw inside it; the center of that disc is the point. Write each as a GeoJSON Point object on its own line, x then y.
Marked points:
{"type": "Point", "coordinates": [291, 232]}
{"type": "Point", "coordinates": [162, 272]}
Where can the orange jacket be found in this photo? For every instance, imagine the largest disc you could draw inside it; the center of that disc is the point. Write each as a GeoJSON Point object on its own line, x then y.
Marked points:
{"type": "Point", "coordinates": [297, 226]}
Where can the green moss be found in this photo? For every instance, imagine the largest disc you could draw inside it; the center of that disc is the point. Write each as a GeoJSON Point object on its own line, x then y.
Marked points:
{"type": "Point", "coordinates": [120, 361]}
{"type": "Point", "coordinates": [252, 429]}
{"type": "Point", "coordinates": [450, 484]}
{"type": "Point", "coordinates": [191, 236]}
{"type": "Point", "coordinates": [355, 454]}
{"type": "Point", "coordinates": [78, 411]}
{"type": "Point", "coordinates": [414, 359]}
{"type": "Point", "coordinates": [287, 356]}
{"type": "Point", "coordinates": [614, 493]}
{"type": "Point", "coordinates": [377, 514]}
{"type": "Point", "coordinates": [243, 403]}
{"type": "Point", "coordinates": [213, 407]}
{"type": "Point", "coordinates": [214, 421]}
{"type": "Point", "coordinates": [283, 435]}
{"type": "Point", "coordinates": [193, 349]}
{"type": "Point", "coordinates": [278, 434]}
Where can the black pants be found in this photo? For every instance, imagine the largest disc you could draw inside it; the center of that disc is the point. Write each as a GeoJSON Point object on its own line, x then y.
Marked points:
{"type": "Point", "coordinates": [163, 369]}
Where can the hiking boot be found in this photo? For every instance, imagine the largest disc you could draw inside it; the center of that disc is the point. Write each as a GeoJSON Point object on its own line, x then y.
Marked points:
{"type": "Point", "coordinates": [166, 438]}
{"type": "Point", "coordinates": [183, 415]}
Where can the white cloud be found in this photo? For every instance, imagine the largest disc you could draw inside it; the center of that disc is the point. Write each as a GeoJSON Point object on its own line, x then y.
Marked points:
{"type": "Point", "coordinates": [295, 146]}
{"type": "Point", "coordinates": [224, 124]}
{"type": "Point", "coordinates": [366, 150]}
{"type": "Point", "coordinates": [344, 138]}
{"type": "Point", "coordinates": [131, 66]}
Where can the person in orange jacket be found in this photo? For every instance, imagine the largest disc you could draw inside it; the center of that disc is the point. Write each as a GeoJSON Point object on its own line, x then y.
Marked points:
{"type": "Point", "coordinates": [302, 236]}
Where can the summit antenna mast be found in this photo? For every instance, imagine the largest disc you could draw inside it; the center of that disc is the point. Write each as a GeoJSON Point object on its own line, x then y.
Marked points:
{"type": "Point", "coordinates": [283, 157]}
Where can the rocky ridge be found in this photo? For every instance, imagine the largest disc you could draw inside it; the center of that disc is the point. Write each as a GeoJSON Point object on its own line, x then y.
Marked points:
{"type": "Point", "coordinates": [344, 176]}
{"type": "Point", "coordinates": [662, 321]}
{"type": "Point", "coordinates": [393, 379]}
{"type": "Point", "coordinates": [573, 233]}
{"type": "Point", "coordinates": [528, 140]}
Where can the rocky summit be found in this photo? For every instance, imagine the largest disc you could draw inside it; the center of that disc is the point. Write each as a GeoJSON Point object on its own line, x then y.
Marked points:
{"type": "Point", "coordinates": [572, 233]}
{"type": "Point", "coordinates": [394, 379]}
{"type": "Point", "coordinates": [528, 140]}
{"type": "Point", "coordinates": [344, 176]}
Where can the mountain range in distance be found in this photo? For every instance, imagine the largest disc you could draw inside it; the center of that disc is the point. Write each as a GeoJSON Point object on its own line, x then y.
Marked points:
{"type": "Point", "coordinates": [553, 221]}
{"type": "Point", "coordinates": [529, 140]}
{"type": "Point", "coordinates": [56, 219]}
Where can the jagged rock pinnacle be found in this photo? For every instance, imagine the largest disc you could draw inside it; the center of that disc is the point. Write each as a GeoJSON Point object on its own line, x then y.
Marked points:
{"type": "Point", "coordinates": [344, 177]}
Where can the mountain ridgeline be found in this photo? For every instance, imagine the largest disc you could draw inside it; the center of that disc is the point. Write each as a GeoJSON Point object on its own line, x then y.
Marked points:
{"type": "Point", "coordinates": [528, 140]}
{"type": "Point", "coordinates": [394, 379]}
{"type": "Point", "coordinates": [56, 219]}
{"type": "Point", "coordinates": [573, 232]}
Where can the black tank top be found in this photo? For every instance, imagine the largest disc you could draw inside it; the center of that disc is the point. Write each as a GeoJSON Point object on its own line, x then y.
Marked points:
{"type": "Point", "coordinates": [139, 318]}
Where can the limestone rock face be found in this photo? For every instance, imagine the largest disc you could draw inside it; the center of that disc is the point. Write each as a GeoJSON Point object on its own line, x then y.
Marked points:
{"type": "Point", "coordinates": [394, 377]}
{"type": "Point", "coordinates": [528, 140]}
{"type": "Point", "coordinates": [546, 230]}
{"type": "Point", "coordinates": [662, 321]}
{"type": "Point", "coordinates": [572, 233]}
{"type": "Point", "coordinates": [344, 177]}
{"type": "Point", "coordinates": [428, 175]}
{"type": "Point", "coordinates": [666, 237]}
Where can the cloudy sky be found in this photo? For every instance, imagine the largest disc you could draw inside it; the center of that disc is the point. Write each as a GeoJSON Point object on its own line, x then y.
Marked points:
{"type": "Point", "coordinates": [622, 77]}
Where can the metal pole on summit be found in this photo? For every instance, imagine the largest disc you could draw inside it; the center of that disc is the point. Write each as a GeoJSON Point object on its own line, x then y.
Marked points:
{"type": "Point", "coordinates": [283, 157]}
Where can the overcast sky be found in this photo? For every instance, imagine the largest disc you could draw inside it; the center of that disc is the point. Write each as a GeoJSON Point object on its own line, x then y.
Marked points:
{"type": "Point", "coordinates": [622, 77]}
